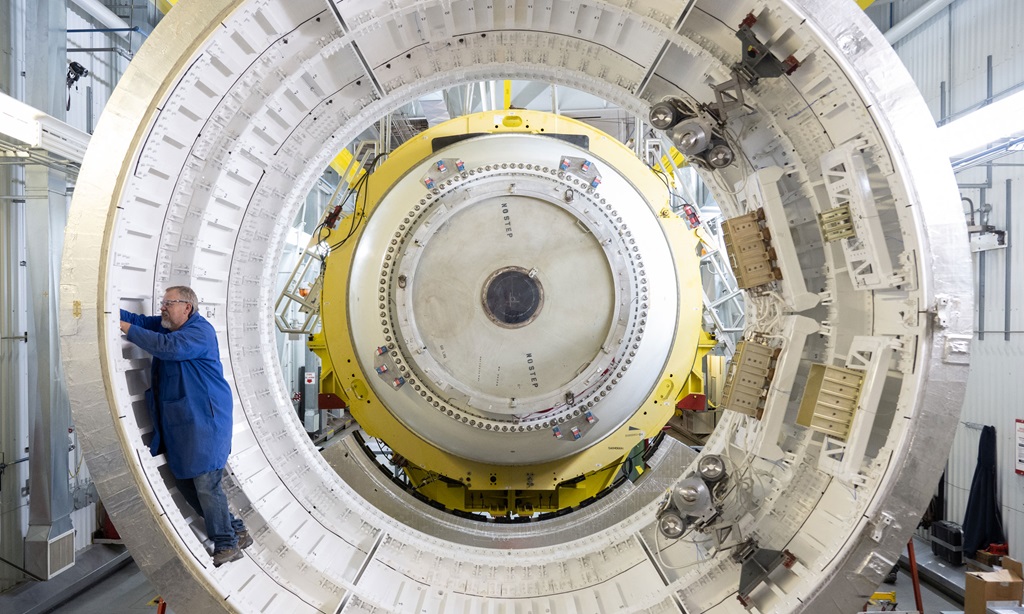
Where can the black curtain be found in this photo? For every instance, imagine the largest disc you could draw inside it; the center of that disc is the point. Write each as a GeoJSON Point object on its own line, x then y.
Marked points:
{"type": "Point", "coordinates": [937, 506]}
{"type": "Point", "coordinates": [983, 523]}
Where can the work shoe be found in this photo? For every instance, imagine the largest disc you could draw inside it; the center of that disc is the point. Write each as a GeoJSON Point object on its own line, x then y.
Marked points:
{"type": "Point", "coordinates": [226, 556]}
{"type": "Point", "coordinates": [890, 578]}
{"type": "Point", "coordinates": [244, 539]}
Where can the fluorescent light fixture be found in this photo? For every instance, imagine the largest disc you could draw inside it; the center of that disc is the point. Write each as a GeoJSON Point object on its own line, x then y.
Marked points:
{"type": "Point", "coordinates": [20, 121]}
{"type": "Point", "coordinates": [28, 125]}
{"type": "Point", "coordinates": [62, 139]}
{"type": "Point", "coordinates": [992, 123]}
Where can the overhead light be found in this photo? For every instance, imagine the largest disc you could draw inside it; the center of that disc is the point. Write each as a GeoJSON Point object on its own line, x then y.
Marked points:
{"type": "Point", "coordinates": [20, 121]}
{"type": "Point", "coordinates": [1000, 120]}
{"type": "Point", "coordinates": [62, 139]}
{"type": "Point", "coordinates": [28, 125]}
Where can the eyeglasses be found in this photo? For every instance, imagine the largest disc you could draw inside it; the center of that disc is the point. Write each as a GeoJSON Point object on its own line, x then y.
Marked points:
{"type": "Point", "coordinates": [171, 302]}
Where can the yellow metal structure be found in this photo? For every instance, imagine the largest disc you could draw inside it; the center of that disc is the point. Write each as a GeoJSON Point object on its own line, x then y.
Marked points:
{"type": "Point", "coordinates": [343, 165]}
{"type": "Point", "coordinates": [830, 400]}
{"type": "Point", "coordinates": [677, 159]}
{"type": "Point", "coordinates": [714, 386]}
{"type": "Point", "coordinates": [164, 5]}
{"type": "Point", "coordinates": [461, 484]}
{"type": "Point", "coordinates": [883, 599]}
{"type": "Point", "coordinates": [695, 383]}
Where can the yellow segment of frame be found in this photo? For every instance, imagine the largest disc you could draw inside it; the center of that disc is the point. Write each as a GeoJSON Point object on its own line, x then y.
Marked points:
{"type": "Point", "coordinates": [342, 164]}
{"type": "Point", "coordinates": [694, 383]}
{"type": "Point", "coordinates": [343, 375]}
{"type": "Point", "coordinates": [164, 5]}
{"type": "Point", "coordinates": [523, 502]}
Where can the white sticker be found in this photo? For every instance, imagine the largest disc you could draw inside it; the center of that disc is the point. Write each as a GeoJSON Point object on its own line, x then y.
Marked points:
{"type": "Point", "coordinates": [1020, 446]}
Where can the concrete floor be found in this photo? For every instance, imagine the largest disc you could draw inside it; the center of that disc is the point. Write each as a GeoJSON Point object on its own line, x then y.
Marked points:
{"type": "Point", "coordinates": [933, 601]}
{"type": "Point", "coordinates": [127, 587]}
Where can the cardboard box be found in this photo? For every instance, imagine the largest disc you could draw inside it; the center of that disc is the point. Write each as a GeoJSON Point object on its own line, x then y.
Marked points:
{"type": "Point", "coordinates": [973, 565]}
{"type": "Point", "coordinates": [987, 558]}
{"type": "Point", "coordinates": [1003, 585]}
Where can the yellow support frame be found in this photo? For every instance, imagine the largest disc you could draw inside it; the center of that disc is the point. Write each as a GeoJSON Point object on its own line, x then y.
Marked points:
{"type": "Point", "coordinates": [694, 383]}
{"type": "Point", "coordinates": [342, 163]}
{"type": "Point", "coordinates": [504, 489]}
{"type": "Point", "coordinates": [164, 5]}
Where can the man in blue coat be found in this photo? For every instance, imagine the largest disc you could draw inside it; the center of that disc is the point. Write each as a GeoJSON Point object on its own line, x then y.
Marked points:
{"type": "Point", "coordinates": [191, 406]}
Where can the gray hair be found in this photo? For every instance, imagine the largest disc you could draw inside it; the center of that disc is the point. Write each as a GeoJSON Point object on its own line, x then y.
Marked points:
{"type": "Point", "coordinates": [186, 294]}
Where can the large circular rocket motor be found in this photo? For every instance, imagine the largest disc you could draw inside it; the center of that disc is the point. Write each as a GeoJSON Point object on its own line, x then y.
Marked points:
{"type": "Point", "coordinates": [522, 303]}
{"type": "Point", "coordinates": [841, 225]}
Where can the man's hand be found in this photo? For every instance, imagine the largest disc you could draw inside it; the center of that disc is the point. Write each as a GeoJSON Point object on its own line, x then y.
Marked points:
{"type": "Point", "coordinates": [125, 326]}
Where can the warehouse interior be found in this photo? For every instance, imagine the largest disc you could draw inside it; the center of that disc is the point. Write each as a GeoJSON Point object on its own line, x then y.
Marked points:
{"type": "Point", "coordinates": [278, 286]}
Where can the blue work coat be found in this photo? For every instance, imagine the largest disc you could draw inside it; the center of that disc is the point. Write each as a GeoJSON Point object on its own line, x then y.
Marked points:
{"type": "Point", "coordinates": [189, 401]}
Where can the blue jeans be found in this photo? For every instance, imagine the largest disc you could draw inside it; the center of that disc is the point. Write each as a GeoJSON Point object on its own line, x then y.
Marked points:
{"type": "Point", "coordinates": [205, 495]}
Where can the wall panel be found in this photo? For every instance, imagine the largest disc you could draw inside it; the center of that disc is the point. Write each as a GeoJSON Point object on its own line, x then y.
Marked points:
{"type": "Point", "coordinates": [949, 52]}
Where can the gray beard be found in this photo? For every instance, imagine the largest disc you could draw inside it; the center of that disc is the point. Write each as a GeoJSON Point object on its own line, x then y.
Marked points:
{"type": "Point", "coordinates": [165, 322]}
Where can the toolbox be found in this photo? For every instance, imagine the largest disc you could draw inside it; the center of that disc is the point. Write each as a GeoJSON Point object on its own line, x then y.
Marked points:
{"type": "Point", "coordinates": [948, 542]}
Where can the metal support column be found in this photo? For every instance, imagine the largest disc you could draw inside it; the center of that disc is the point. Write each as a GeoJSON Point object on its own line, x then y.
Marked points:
{"type": "Point", "coordinates": [1008, 291]}
{"type": "Point", "coordinates": [13, 376]}
{"type": "Point", "coordinates": [49, 544]}
{"type": "Point", "coordinates": [311, 393]}
{"type": "Point", "coordinates": [13, 352]}
{"type": "Point", "coordinates": [50, 504]}
{"type": "Point", "coordinates": [981, 279]}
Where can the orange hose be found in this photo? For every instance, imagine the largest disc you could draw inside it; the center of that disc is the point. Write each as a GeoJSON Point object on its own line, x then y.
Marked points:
{"type": "Point", "coordinates": [913, 575]}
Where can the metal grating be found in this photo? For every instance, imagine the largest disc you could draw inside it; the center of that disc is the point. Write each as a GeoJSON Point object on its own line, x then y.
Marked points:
{"type": "Point", "coordinates": [61, 553]}
{"type": "Point", "coordinates": [48, 556]}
